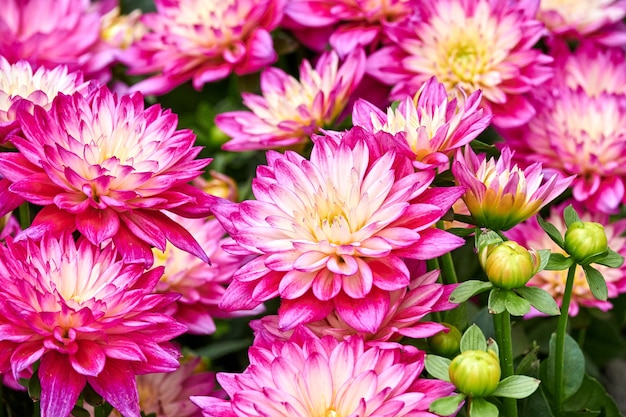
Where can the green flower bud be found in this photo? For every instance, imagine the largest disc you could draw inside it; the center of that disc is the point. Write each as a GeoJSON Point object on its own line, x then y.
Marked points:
{"type": "Point", "coordinates": [475, 372]}
{"type": "Point", "coordinates": [509, 265]}
{"type": "Point", "coordinates": [446, 343]}
{"type": "Point", "coordinates": [585, 239]}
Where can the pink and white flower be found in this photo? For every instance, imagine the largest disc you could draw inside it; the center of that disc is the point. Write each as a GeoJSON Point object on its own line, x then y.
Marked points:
{"type": "Point", "coordinates": [290, 111]}
{"type": "Point", "coordinates": [107, 167]}
{"type": "Point", "coordinates": [331, 232]}
{"type": "Point", "coordinates": [203, 41]}
{"type": "Point", "coordinates": [200, 284]}
{"type": "Point", "coordinates": [473, 45]}
{"type": "Point", "coordinates": [326, 377]}
{"type": "Point", "coordinates": [499, 193]}
{"type": "Point", "coordinates": [432, 124]}
{"type": "Point", "coordinates": [86, 317]}
{"type": "Point", "coordinates": [531, 235]}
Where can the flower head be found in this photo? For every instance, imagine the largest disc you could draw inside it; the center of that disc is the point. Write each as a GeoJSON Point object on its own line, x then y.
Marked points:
{"type": "Point", "coordinates": [107, 167]}
{"type": "Point", "coordinates": [20, 85]}
{"type": "Point", "coordinates": [290, 111]}
{"type": "Point", "coordinates": [203, 41]}
{"type": "Point", "coordinates": [473, 45]}
{"type": "Point", "coordinates": [331, 232]}
{"type": "Point", "coordinates": [87, 317]}
{"type": "Point", "coordinates": [475, 372]}
{"type": "Point", "coordinates": [432, 124]}
{"type": "Point", "coordinates": [500, 194]}
{"type": "Point", "coordinates": [326, 377]}
{"type": "Point", "coordinates": [531, 235]}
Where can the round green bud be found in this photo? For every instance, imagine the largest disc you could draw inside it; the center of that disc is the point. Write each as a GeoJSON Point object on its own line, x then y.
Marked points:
{"type": "Point", "coordinates": [585, 239]}
{"type": "Point", "coordinates": [446, 343]}
{"type": "Point", "coordinates": [475, 372]}
{"type": "Point", "coordinates": [509, 265]}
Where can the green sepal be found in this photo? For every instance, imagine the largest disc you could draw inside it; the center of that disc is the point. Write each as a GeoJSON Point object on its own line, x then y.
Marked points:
{"type": "Point", "coordinates": [497, 300]}
{"type": "Point", "coordinates": [516, 386]}
{"type": "Point", "coordinates": [437, 366]}
{"type": "Point", "coordinates": [596, 282]}
{"type": "Point", "coordinates": [612, 259]}
{"type": "Point", "coordinates": [473, 339]}
{"type": "Point", "coordinates": [570, 216]}
{"type": "Point", "coordinates": [516, 305]}
{"type": "Point", "coordinates": [479, 407]}
{"type": "Point", "coordinates": [447, 405]}
{"type": "Point", "coordinates": [468, 289]}
{"type": "Point", "coordinates": [559, 262]}
{"type": "Point", "coordinates": [540, 299]}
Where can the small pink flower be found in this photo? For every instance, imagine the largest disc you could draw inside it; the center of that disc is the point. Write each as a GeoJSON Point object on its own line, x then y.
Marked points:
{"type": "Point", "coordinates": [499, 193]}
{"type": "Point", "coordinates": [87, 317]}
{"type": "Point", "coordinates": [473, 45]}
{"type": "Point", "coordinates": [326, 377]}
{"type": "Point", "coordinates": [432, 124]}
{"type": "Point", "coordinates": [531, 235]}
{"type": "Point", "coordinates": [290, 111]}
{"type": "Point", "coordinates": [203, 41]}
{"type": "Point", "coordinates": [107, 167]}
{"type": "Point", "coordinates": [331, 232]}
{"type": "Point", "coordinates": [201, 285]}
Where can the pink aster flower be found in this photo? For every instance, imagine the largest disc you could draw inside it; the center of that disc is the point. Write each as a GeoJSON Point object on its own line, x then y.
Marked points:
{"type": "Point", "coordinates": [87, 317]}
{"type": "Point", "coordinates": [290, 110]}
{"type": "Point", "coordinates": [344, 24]}
{"type": "Point", "coordinates": [499, 193]}
{"type": "Point", "coordinates": [48, 34]}
{"type": "Point", "coordinates": [331, 232]}
{"type": "Point", "coordinates": [326, 377]}
{"type": "Point", "coordinates": [531, 235]}
{"type": "Point", "coordinates": [21, 86]}
{"type": "Point", "coordinates": [407, 308]}
{"type": "Point", "coordinates": [473, 45]}
{"type": "Point", "coordinates": [203, 41]}
{"type": "Point", "coordinates": [107, 167]}
{"type": "Point", "coordinates": [201, 285]}
{"type": "Point", "coordinates": [596, 20]}
{"type": "Point", "coordinates": [432, 124]}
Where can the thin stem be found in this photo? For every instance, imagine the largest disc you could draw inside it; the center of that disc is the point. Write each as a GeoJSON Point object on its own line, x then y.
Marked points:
{"type": "Point", "coordinates": [448, 273]}
{"type": "Point", "coordinates": [36, 409]}
{"type": "Point", "coordinates": [560, 340]}
{"type": "Point", "coordinates": [502, 324]}
{"type": "Point", "coordinates": [24, 215]}
{"type": "Point", "coordinates": [3, 403]}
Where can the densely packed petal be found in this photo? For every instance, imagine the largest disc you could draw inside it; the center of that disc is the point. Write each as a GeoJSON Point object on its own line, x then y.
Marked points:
{"type": "Point", "coordinates": [86, 317]}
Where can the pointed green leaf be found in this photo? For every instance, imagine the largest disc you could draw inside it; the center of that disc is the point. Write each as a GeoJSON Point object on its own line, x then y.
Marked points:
{"type": "Point", "coordinates": [544, 258]}
{"type": "Point", "coordinates": [574, 366]}
{"type": "Point", "coordinates": [515, 304]}
{"type": "Point", "coordinates": [592, 396]}
{"type": "Point", "coordinates": [447, 405]}
{"type": "Point", "coordinates": [479, 407]}
{"type": "Point", "coordinates": [551, 230]}
{"type": "Point", "coordinates": [437, 366]}
{"type": "Point", "coordinates": [516, 386]}
{"type": "Point", "coordinates": [558, 262]}
{"type": "Point", "coordinates": [540, 299]}
{"type": "Point", "coordinates": [529, 364]}
{"type": "Point", "coordinates": [612, 259]}
{"type": "Point", "coordinates": [473, 339]}
{"type": "Point", "coordinates": [467, 290]}
{"type": "Point", "coordinates": [596, 282]}
{"type": "Point", "coordinates": [570, 216]}
{"type": "Point", "coordinates": [497, 301]}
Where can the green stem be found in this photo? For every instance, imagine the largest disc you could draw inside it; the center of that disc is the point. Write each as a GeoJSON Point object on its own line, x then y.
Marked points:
{"type": "Point", "coordinates": [560, 340]}
{"type": "Point", "coordinates": [502, 324]}
{"type": "Point", "coordinates": [448, 273]}
{"type": "Point", "coordinates": [24, 215]}
{"type": "Point", "coordinates": [36, 409]}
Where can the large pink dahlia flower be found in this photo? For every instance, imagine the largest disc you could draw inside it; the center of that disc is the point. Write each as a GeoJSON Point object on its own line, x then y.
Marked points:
{"type": "Point", "coordinates": [431, 123]}
{"type": "Point", "coordinates": [473, 45]}
{"type": "Point", "coordinates": [331, 232]}
{"type": "Point", "coordinates": [531, 235]}
{"type": "Point", "coordinates": [290, 110]}
{"type": "Point", "coordinates": [326, 377]}
{"type": "Point", "coordinates": [87, 317]}
{"type": "Point", "coordinates": [108, 167]}
{"type": "Point", "coordinates": [203, 41]}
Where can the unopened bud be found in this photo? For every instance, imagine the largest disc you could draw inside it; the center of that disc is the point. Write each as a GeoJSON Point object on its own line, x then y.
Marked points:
{"type": "Point", "coordinates": [585, 239]}
{"type": "Point", "coordinates": [446, 343]}
{"type": "Point", "coordinates": [475, 372]}
{"type": "Point", "coordinates": [509, 265]}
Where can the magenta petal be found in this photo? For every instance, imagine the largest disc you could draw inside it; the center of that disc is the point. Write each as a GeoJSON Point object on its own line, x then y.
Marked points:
{"type": "Point", "coordinates": [364, 314]}
{"type": "Point", "coordinates": [116, 384]}
{"type": "Point", "coordinates": [89, 359]}
{"type": "Point", "coordinates": [97, 225]}
{"type": "Point", "coordinates": [60, 385]}
{"type": "Point", "coordinates": [302, 310]}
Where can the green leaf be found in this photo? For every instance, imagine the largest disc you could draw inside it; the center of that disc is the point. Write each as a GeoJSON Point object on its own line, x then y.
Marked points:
{"type": "Point", "coordinates": [558, 262]}
{"type": "Point", "coordinates": [515, 304]}
{"type": "Point", "coordinates": [487, 238]}
{"type": "Point", "coordinates": [461, 231]}
{"type": "Point", "coordinates": [493, 345]}
{"type": "Point", "coordinates": [473, 339]}
{"type": "Point", "coordinates": [612, 259]}
{"type": "Point", "coordinates": [447, 405]}
{"type": "Point", "coordinates": [516, 386]}
{"type": "Point", "coordinates": [530, 362]}
{"type": "Point", "coordinates": [592, 396]}
{"type": "Point", "coordinates": [467, 290]}
{"type": "Point", "coordinates": [479, 407]}
{"type": "Point", "coordinates": [80, 412]}
{"type": "Point", "coordinates": [540, 299]}
{"type": "Point", "coordinates": [570, 216]}
{"type": "Point", "coordinates": [596, 282]}
{"type": "Point", "coordinates": [438, 366]}
{"type": "Point", "coordinates": [551, 230]}
{"type": "Point", "coordinates": [497, 301]}
{"type": "Point", "coordinates": [574, 366]}
{"type": "Point", "coordinates": [536, 405]}
{"type": "Point", "coordinates": [544, 258]}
